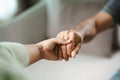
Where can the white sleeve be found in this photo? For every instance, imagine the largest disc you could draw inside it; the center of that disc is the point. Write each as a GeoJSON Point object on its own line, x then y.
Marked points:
{"type": "Point", "coordinates": [14, 52]}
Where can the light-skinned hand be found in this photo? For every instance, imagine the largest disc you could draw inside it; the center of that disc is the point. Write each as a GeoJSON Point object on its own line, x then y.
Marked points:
{"type": "Point", "coordinates": [50, 47]}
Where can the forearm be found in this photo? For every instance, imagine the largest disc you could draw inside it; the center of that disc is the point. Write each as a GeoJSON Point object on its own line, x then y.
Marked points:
{"type": "Point", "coordinates": [92, 26]}
{"type": "Point", "coordinates": [103, 21]}
{"type": "Point", "coordinates": [35, 53]}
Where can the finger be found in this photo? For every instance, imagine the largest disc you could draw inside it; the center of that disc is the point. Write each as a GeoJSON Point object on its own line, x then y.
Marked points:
{"type": "Point", "coordinates": [51, 55]}
{"type": "Point", "coordinates": [69, 49]}
{"type": "Point", "coordinates": [64, 52]}
{"type": "Point", "coordinates": [56, 49]}
{"type": "Point", "coordinates": [71, 36]}
{"type": "Point", "coordinates": [70, 46]}
{"type": "Point", "coordinates": [64, 46]}
{"type": "Point", "coordinates": [76, 50]}
{"type": "Point", "coordinates": [60, 41]}
{"type": "Point", "coordinates": [60, 52]}
{"type": "Point", "coordinates": [60, 34]}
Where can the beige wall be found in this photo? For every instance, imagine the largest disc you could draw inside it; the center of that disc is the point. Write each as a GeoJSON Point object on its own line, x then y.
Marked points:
{"type": "Point", "coordinates": [34, 24]}
{"type": "Point", "coordinates": [28, 27]}
{"type": "Point", "coordinates": [67, 14]}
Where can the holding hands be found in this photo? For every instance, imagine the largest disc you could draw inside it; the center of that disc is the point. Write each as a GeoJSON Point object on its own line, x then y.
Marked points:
{"type": "Point", "coordinates": [69, 50]}
{"type": "Point", "coordinates": [86, 30]}
{"type": "Point", "coordinates": [66, 45]}
{"type": "Point", "coordinates": [49, 48]}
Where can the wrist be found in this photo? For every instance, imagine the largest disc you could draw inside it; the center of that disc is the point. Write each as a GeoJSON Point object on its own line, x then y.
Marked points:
{"type": "Point", "coordinates": [41, 51]}
{"type": "Point", "coordinates": [81, 35]}
{"type": "Point", "coordinates": [34, 52]}
{"type": "Point", "coordinates": [87, 29]}
{"type": "Point", "coordinates": [91, 30]}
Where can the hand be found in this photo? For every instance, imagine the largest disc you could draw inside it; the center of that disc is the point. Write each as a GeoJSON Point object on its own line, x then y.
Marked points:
{"type": "Point", "coordinates": [85, 30]}
{"type": "Point", "coordinates": [49, 48]}
{"type": "Point", "coordinates": [70, 50]}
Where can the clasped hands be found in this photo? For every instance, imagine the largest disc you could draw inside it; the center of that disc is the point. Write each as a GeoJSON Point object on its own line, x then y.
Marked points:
{"type": "Point", "coordinates": [66, 45]}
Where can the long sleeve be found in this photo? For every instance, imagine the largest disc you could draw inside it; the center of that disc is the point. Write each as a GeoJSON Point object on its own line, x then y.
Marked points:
{"type": "Point", "coordinates": [14, 53]}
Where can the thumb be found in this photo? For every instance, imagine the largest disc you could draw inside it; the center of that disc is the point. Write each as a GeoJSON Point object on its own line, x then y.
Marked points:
{"type": "Point", "coordinates": [76, 50]}
{"type": "Point", "coordinates": [60, 41]}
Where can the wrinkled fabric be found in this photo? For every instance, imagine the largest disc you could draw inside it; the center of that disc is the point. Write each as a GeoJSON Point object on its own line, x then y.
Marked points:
{"type": "Point", "coordinates": [13, 59]}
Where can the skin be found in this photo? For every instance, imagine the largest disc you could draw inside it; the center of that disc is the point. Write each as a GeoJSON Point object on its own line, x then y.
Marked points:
{"type": "Point", "coordinates": [68, 43]}
{"type": "Point", "coordinates": [85, 31]}
{"type": "Point", "coordinates": [44, 50]}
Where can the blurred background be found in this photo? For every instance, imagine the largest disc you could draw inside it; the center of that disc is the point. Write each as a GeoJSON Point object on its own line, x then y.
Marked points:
{"type": "Point", "coordinates": [31, 21]}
